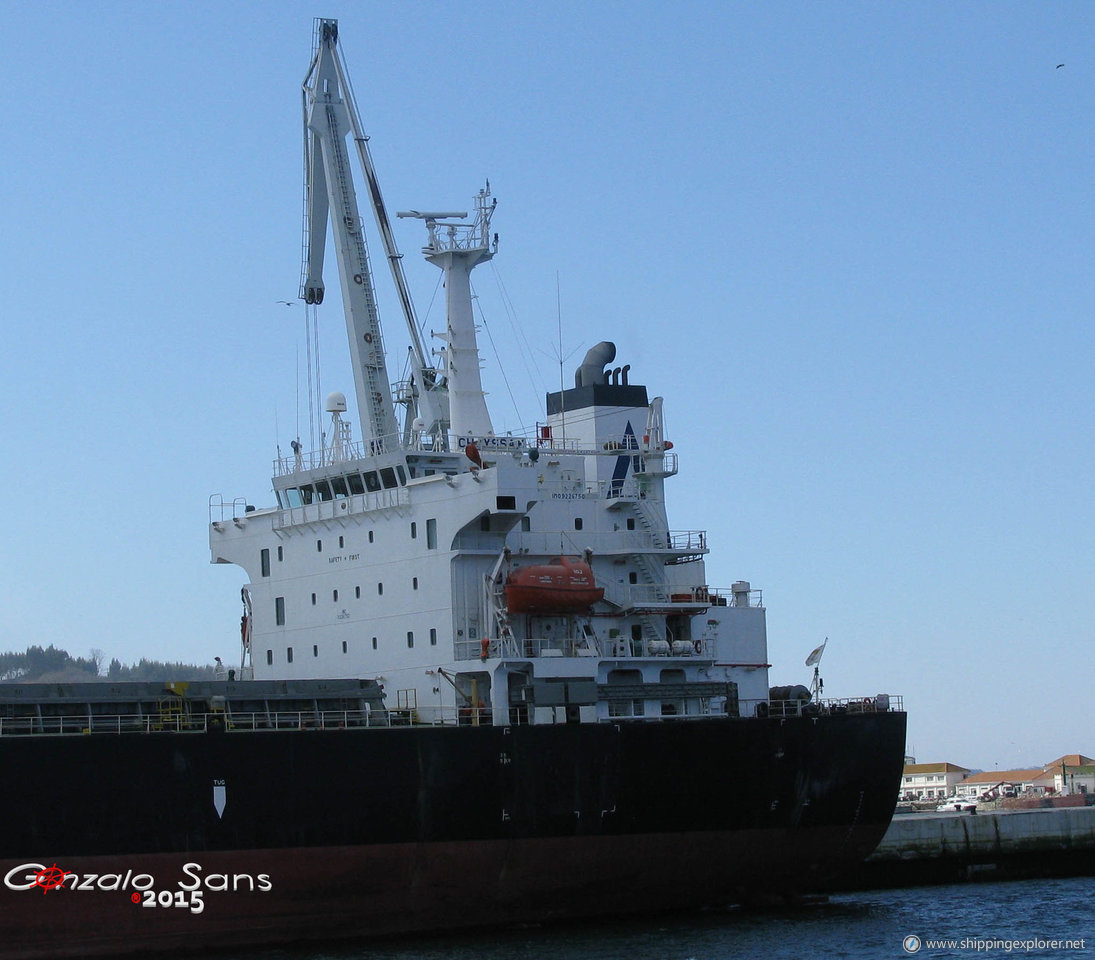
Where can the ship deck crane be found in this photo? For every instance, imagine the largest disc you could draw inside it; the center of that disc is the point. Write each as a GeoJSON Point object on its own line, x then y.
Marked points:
{"type": "Point", "coordinates": [330, 113]}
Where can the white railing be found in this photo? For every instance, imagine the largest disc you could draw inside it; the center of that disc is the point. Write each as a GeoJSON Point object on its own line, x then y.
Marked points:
{"type": "Point", "coordinates": [408, 717]}
{"type": "Point", "coordinates": [238, 722]}
{"type": "Point", "coordinates": [880, 703]}
{"type": "Point", "coordinates": [221, 510]}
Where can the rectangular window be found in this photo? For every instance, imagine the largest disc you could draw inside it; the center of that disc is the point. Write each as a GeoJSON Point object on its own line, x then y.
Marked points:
{"type": "Point", "coordinates": [334, 595]}
{"type": "Point", "coordinates": [279, 611]}
{"type": "Point", "coordinates": [380, 589]}
{"type": "Point", "coordinates": [431, 534]}
{"type": "Point", "coordinates": [323, 490]}
{"type": "Point", "coordinates": [402, 475]}
{"type": "Point", "coordinates": [269, 658]}
{"type": "Point", "coordinates": [526, 524]}
{"type": "Point", "coordinates": [374, 643]}
{"type": "Point", "coordinates": [414, 530]}
{"type": "Point", "coordinates": [319, 546]}
{"type": "Point", "coordinates": [281, 555]}
{"type": "Point", "coordinates": [387, 477]}
{"type": "Point", "coordinates": [289, 654]}
{"type": "Point", "coordinates": [630, 523]}
{"type": "Point", "coordinates": [410, 638]}
{"type": "Point", "coordinates": [341, 542]}
{"type": "Point", "coordinates": [313, 599]}
{"type": "Point", "coordinates": [414, 583]}
{"type": "Point", "coordinates": [506, 503]}
{"type": "Point", "coordinates": [433, 636]}
{"type": "Point", "coordinates": [356, 486]}
{"type": "Point", "coordinates": [315, 650]}
{"type": "Point", "coordinates": [338, 487]}
{"type": "Point", "coordinates": [343, 646]}
{"type": "Point", "coordinates": [372, 481]}
{"type": "Point", "coordinates": [264, 561]}
{"type": "Point", "coordinates": [370, 536]}
{"type": "Point", "coordinates": [357, 593]}
{"type": "Point", "coordinates": [577, 523]}
{"type": "Point", "coordinates": [484, 523]}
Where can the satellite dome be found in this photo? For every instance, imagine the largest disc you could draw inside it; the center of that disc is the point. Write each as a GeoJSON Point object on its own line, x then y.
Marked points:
{"type": "Point", "coordinates": [336, 402]}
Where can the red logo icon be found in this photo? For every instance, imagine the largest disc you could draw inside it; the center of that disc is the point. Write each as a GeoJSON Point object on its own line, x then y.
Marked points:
{"type": "Point", "coordinates": [51, 878]}
{"type": "Point", "coordinates": [136, 898]}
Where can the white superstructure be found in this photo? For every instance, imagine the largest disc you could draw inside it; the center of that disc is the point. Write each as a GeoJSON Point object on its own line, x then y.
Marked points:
{"type": "Point", "coordinates": [387, 556]}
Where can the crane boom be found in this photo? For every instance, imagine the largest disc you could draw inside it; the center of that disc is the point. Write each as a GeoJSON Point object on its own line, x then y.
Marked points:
{"type": "Point", "coordinates": [329, 116]}
{"type": "Point", "coordinates": [429, 399]}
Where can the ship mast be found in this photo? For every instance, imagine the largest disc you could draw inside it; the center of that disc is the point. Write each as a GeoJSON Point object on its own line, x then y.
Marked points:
{"type": "Point", "coordinates": [457, 248]}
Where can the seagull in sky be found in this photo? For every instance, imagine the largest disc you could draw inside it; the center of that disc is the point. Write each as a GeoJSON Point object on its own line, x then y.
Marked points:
{"type": "Point", "coordinates": [1058, 67]}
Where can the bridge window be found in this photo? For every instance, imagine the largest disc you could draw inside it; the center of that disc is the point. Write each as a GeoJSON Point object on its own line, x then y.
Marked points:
{"type": "Point", "coordinates": [372, 481]}
{"type": "Point", "coordinates": [323, 489]}
{"type": "Point", "coordinates": [355, 483]}
{"type": "Point", "coordinates": [338, 485]}
{"type": "Point", "coordinates": [387, 477]}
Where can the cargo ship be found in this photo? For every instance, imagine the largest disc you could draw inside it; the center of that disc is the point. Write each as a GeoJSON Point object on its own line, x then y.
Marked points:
{"type": "Point", "coordinates": [481, 679]}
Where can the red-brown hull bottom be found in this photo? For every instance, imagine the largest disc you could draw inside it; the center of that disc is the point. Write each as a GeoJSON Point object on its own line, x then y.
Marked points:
{"type": "Point", "coordinates": [351, 892]}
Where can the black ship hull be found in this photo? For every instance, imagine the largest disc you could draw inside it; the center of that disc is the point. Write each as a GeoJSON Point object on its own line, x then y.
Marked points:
{"type": "Point", "coordinates": [187, 840]}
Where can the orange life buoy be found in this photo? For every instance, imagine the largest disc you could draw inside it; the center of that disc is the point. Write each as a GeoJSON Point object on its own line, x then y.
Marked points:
{"type": "Point", "coordinates": [484, 648]}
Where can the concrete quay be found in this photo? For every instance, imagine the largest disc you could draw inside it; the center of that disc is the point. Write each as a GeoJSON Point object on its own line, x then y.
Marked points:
{"type": "Point", "coordinates": [1002, 845]}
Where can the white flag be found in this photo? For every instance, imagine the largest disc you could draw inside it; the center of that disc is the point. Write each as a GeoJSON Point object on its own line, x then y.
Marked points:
{"type": "Point", "coordinates": [815, 657]}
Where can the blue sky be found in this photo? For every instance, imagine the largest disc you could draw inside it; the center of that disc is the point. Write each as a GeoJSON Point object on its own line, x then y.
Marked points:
{"type": "Point", "coordinates": [850, 243]}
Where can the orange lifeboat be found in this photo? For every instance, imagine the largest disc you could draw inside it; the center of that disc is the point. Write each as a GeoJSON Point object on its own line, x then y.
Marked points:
{"type": "Point", "coordinates": [564, 585]}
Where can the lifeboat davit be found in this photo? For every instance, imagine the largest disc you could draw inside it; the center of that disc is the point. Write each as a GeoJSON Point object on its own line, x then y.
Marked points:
{"type": "Point", "coordinates": [564, 585]}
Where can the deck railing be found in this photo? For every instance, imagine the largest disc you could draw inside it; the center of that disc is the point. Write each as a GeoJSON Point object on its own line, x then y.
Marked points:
{"type": "Point", "coordinates": [76, 725]}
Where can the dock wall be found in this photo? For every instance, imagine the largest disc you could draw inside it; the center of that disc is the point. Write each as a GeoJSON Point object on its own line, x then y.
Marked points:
{"type": "Point", "coordinates": [946, 848]}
